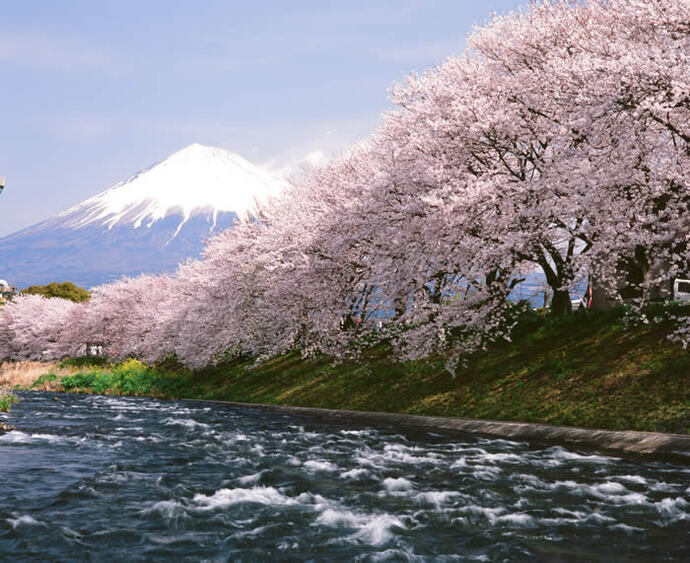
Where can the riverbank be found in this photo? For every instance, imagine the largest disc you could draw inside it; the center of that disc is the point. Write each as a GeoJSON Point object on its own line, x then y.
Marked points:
{"type": "Point", "coordinates": [21, 375]}
{"type": "Point", "coordinates": [585, 370]}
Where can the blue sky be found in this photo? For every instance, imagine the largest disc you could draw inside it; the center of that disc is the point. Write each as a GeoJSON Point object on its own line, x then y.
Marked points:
{"type": "Point", "coordinates": [93, 91]}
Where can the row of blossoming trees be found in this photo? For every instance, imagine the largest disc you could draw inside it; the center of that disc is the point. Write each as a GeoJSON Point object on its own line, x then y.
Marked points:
{"type": "Point", "coordinates": [560, 143]}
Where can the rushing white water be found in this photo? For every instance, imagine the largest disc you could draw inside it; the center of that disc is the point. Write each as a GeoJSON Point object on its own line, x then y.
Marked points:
{"type": "Point", "coordinates": [123, 478]}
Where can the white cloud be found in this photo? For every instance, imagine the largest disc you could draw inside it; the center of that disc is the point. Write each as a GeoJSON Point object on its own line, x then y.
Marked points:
{"type": "Point", "coordinates": [316, 143]}
{"type": "Point", "coordinates": [316, 158]}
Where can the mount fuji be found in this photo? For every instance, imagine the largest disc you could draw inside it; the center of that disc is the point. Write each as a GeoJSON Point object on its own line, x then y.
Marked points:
{"type": "Point", "coordinates": [146, 224]}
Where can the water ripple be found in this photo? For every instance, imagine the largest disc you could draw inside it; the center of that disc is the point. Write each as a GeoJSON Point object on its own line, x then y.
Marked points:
{"type": "Point", "coordinates": [92, 477]}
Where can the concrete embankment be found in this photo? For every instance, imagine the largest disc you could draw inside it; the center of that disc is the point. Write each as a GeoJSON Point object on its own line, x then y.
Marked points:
{"type": "Point", "coordinates": [623, 441]}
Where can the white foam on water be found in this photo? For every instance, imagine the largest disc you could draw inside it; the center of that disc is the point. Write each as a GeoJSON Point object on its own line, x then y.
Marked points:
{"type": "Point", "coordinates": [356, 432]}
{"type": "Point", "coordinates": [313, 466]}
{"type": "Point", "coordinates": [460, 462]}
{"type": "Point", "coordinates": [491, 514]}
{"type": "Point", "coordinates": [632, 498]}
{"type": "Point", "coordinates": [227, 497]}
{"type": "Point", "coordinates": [470, 450]}
{"type": "Point", "coordinates": [369, 459]}
{"type": "Point", "coordinates": [666, 487]}
{"type": "Point", "coordinates": [70, 533]}
{"type": "Point", "coordinates": [630, 530]}
{"type": "Point", "coordinates": [501, 458]}
{"type": "Point", "coordinates": [355, 473]}
{"type": "Point", "coordinates": [597, 518]}
{"type": "Point", "coordinates": [532, 482]}
{"type": "Point", "coordinates": [501, 442]}
{"type": "Point", "coordinates": [574, 513]}
{"type": "Point", "coordinates": [672, 508]}
{"type": "Point", "coordinates": [395, 555]}
{"type": "Point", "coordinates": [637, 479]}
{"type": "Point", "coordinates": [52, 438]}
{"type": "Point", "coordinates": [519, 519]}
{"type": "Point", "coordinates": [559, 453]}
{"type": "Point", "coordinates": [486, 472]}
{"type": "Point", "coordinates": [250, 479]}
{"type": "Point", "coordinates": [610, 491]}
{"type": "Point", "coordinates": [378, 530]}
{"type": "Point", "coordinates": [18, 437]}
{"type": "Point", "coordinates": [401, 453]}
{"type": "Point", "coordinates": [611, 487]}
{"type": "Point", "coordinates": [166, 508]}
{"type": "Point", "coordinates": [558, 521]}
{"type": "Point", "coordinates": [185, 423]}
{"type": "Point", "coordinates": [152, 439]}
{"type": "Point", "coordinates": [339, 518]}
{"type": "Point", "coordinates": [287, 546]}
{"type": "Point", "coordinates": [437, 498]}
{"type": "Point", "coordinates": [319, 502]}
{"type": "Point", "coordinates": [23, 520]}
{"type": "Point", "coordinates": [397, 484]}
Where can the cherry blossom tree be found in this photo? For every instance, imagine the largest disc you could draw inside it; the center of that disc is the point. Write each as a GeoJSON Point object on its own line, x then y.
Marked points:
{"type": "Point", "coordinates": [558, 142]}
{"type": "Point", "coordinates": [33, 327]}
{"type": "Point", "coordinates": [124, 316]}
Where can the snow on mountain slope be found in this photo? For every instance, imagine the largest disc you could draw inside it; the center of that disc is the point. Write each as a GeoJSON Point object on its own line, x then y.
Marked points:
{"type": "Point", "coordinates": [146, 224]}
{"type": "Point", "coordinates": [194, 180]}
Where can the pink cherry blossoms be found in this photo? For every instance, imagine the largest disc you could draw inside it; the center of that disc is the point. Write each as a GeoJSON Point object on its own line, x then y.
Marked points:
{"type": "Point", "coordinates": [559, 142]}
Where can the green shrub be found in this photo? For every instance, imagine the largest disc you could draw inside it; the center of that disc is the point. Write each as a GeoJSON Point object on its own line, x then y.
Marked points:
{"type": "Point", "coordinates": [7, 400]}
{"type": "Point", "coordinates": [64, 290]}
{"type": "Point", "coordinates": [94, 380]}
{"type": "Point", "coordinates": [84, 361]}
{"type": "Point", "coordinates": [44, 379]}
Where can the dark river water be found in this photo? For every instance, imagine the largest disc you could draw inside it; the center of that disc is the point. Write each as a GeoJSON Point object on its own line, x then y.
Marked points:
{"type": "Point", "coordinates": [111, 478]}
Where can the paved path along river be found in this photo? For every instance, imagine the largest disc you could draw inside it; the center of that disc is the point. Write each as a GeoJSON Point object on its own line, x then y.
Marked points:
{"type": "Point", "coordinates": [114, 478]}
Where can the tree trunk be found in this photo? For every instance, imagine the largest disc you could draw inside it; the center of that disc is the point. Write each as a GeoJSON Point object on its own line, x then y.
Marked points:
{"type": "Point", "coordinates": [560, 304]}
{"type": "Point", "coordinates": [601, 300]}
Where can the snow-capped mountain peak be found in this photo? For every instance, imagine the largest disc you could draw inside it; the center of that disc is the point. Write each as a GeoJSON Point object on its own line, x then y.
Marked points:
{"type": "Point", "coordinates": [149, 223]}
{"type": "Point", "coordinates": [196, 179]}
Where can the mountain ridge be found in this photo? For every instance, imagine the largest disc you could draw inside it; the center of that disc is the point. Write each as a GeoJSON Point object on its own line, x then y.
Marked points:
{"type": "Point", "coordinates": [149, 223]}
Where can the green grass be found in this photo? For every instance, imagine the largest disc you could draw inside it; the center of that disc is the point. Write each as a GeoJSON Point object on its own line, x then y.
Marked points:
{"type": "Point", "coordinates": [586, 369]}
{"type": "Point", "coordinates": [131, 377]}
{"type": "Point", "coordinates": [7, 399]}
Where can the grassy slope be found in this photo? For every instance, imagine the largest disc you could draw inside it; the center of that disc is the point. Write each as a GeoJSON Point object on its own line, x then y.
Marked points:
{"type": "Point", "coordinates": [584, 370]}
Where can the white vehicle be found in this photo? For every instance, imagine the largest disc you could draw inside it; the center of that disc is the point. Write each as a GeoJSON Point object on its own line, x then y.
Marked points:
{"type": "Point", "coordinates": [681, 290]}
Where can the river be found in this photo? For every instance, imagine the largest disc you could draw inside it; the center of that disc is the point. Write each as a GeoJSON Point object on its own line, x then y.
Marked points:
{"type": "Point", "coordinates": [115, 478]}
